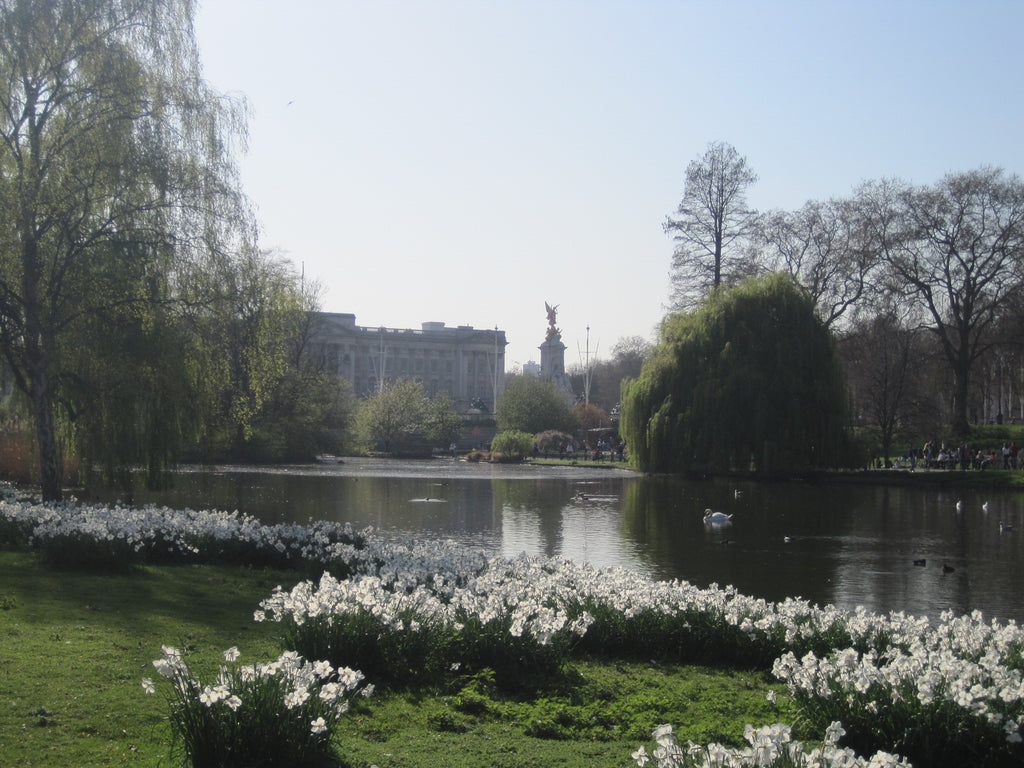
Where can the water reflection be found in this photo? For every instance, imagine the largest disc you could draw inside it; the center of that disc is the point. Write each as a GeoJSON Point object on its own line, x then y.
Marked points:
{"type": "Point", "coordinates": [843, 544]}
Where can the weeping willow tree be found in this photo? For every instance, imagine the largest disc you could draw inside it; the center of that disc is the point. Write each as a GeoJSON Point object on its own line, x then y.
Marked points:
{"type": "Point", "coordinates": [748, 381]}
{"type": "Point", "coordinates": [117, 180]}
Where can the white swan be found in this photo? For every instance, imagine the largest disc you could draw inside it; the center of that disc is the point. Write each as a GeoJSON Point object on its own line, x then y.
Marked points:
{"type": "Point", "coordinates": [716, 518]}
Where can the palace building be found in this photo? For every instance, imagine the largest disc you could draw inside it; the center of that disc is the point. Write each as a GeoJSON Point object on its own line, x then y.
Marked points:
{"type": "Point", "coordinates": [466, 363]}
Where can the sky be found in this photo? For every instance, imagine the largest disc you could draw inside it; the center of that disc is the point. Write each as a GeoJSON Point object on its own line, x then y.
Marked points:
{"type": "Point", "coordinates": [466, 161]}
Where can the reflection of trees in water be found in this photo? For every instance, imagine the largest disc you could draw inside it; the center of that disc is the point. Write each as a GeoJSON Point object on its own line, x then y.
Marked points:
{"type": "Point", "coordinates": [540, 501]}
{"type": "Point", "coordinates": [664, 517]}
{"type": "Point", "coordinates": [852, 544]}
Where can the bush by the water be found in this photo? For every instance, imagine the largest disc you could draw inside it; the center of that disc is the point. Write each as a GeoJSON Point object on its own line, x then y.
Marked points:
{"type": "Point", "coordinates": [511, 445]}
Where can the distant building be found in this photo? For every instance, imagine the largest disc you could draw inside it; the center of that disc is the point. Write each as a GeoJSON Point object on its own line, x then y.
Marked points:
{"type": "Point", "coordinates": [466, 363]}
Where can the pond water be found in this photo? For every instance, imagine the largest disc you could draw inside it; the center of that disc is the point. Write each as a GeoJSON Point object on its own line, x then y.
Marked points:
{"type": "Point", "coordinates": [843, 544]}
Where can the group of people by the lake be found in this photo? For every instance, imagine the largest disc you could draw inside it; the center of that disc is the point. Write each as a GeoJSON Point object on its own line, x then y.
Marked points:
{"type": "Point", "coordinates": [605, 449]}
{"type": "Point", "coordinates": [961, 456]}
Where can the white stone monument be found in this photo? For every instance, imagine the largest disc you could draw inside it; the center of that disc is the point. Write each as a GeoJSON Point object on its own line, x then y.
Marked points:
{"type": "Point", "coordinates": [552, 355]}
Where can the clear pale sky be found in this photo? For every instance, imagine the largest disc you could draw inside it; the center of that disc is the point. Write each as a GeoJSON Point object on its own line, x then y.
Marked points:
{"type": "Point", "coordinates": [466, 161]}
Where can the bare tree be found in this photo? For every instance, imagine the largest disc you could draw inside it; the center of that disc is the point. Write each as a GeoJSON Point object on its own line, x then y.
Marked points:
{"type": "Point", "coordinates": [824, 247]}
{"type": "Point", "coordinates": [882, 358]}
{"type": "Point", "coordinates": [710, 223]}
{"type": "Point", "coordinates": [956, 250]}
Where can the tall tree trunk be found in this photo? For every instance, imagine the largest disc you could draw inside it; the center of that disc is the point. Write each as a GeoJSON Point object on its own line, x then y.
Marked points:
{"type": "Point", "coordinates": [37, 368]}
{"type": "Point", "coordinates": [42, 407]}
{"type": "Point", "coordinates": [961, 426]}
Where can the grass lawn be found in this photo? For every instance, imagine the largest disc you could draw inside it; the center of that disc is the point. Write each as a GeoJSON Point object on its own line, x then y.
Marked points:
{"type": "Point", "coordinates": [74, 647]}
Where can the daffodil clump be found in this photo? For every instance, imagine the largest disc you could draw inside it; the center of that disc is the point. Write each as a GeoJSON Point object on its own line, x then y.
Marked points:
{"type": "Point", "coordinates": [264, 714]}
{"type": "Point", "coordinates": [513, 618]}
{"type": "Point", "coordinates": [770, 746]}
{"type": "Point", "coordinates": [117, 537]}
{"type": "Point", "coordinates": [955, 690]}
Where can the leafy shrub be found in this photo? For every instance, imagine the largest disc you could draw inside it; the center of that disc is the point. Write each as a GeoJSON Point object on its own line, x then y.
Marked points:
{"type": "Point", "coordinates": [552, 441]}
{"type": "Point", "coordinates": [511, 445]}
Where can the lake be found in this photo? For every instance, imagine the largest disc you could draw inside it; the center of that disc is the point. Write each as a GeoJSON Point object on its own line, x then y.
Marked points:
{"type": "Point", "coordinates": [844, 544]}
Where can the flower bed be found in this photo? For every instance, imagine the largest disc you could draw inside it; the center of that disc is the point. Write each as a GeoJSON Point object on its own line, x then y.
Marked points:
{"type": "Point", "coordinates": [948, 693]}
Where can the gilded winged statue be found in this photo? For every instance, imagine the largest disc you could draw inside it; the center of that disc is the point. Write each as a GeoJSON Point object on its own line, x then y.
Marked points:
{"type": "Point", "coordinates": [552, 314]}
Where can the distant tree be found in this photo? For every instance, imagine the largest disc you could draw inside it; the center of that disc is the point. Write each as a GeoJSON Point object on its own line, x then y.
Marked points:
{"type": "Point", "coordinates": [883, 360]}
{"type": "Point", "coordinates": [956, 249]}
{"type": "Point", "coordinates": [531, 404]}
{"type": "Point", "coordinates": [443, 424]}
{"type": "Point", "coordinates": [590, 417]}
{"type": "Point", "coordinates": [552, 441]}
{"type": "Point", "coordinates": [710, 224]}
{"type": "Point", "coordinates": [824, 247]}
{"type": "Point", "coordinates": [512, 445]}
{"type": "Point", "coordinates": [116, 159]}
{"type": "Point", "coordinates": [751, 376]}
{"type": "Point", "coordinates": [310, 412]}
{"type": "Point", "coordinates": [628, 356]}
{"type": "Point", "coordinates": [630, 353]}
{"type": "Point", "coordinates": [395, 412]}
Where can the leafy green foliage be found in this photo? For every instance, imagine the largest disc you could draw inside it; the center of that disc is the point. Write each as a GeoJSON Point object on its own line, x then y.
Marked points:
{"type": "Point", "coordinates": [388, 655]}
{"type": "Point", "coordinates": [531, 404]}
{"type": "Point", "coordinates": [395, 412]}
{"type": "Point", "coordinates": [512, 445]}
{"type": "Point", "coordinates": [443, 424]}
{"type": "Point", "coordinates": [244, 313]}
{"type": "Point", "coordinates": [117, 161]}
{"type": "Point", "coordinates": [749, 380]}
{"type": "Point", "coordinates": [128, 412]}
{"type": "Point", "coordinates": [310, 412]}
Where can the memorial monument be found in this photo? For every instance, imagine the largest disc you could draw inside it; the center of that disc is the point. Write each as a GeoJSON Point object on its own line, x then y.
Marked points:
{"type": "Point", "coordinates": [552, 354]}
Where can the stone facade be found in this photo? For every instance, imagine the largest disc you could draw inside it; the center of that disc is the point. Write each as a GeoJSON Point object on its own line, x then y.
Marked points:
{"type": "Point", "coordinates": [467, 363]}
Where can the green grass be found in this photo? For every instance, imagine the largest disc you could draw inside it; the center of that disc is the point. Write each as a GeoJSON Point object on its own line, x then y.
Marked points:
{"type": "Point", "coordinates": [74, 647]}
{"type": "Point", "coordinates": [580, 462]}
{"type": "Point", "coordinates": [596, 715]}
